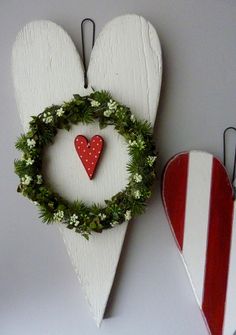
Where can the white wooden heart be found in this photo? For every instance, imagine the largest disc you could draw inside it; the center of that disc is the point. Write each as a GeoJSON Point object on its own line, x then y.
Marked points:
{"type": "Point", "coordinates": [126, 60]}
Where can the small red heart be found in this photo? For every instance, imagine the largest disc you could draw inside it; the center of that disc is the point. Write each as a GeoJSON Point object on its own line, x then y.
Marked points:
{"type": "Point", "coordinates": [89, 152]}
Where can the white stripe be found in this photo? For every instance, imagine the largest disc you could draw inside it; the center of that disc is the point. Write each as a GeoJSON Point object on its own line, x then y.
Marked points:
{"type": "Point", "coordinates": [196, 218]}
{"type": "Point", "coordinates": [230, 307]}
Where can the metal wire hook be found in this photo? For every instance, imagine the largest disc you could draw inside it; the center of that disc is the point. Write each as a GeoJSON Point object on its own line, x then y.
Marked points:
{"type": "Point", "coordinates": [83, 47]}
{"type": "Point", "coordinates": [224, 154]}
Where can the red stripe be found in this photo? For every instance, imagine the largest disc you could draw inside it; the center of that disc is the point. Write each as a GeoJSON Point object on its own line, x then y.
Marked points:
{"type": "Point", "coordinates": [218, 248]}
{"type": "Point", "coordinates": [174, 193]}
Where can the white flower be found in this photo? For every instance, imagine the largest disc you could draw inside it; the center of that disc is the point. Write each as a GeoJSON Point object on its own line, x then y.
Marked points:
{"type": "Point", "coordinates": [112, 105]}
{"type": "Point", "coordinates": [74, 220]}
{"type": "Point", "coordinates": [102, 216]}
{"type": "Point", "coordinates": [107, 113]}
{"type": "Point", "coordinates": [26, 180]}
{"type": "Point", "coordinates": [132, 118]}
{"type": "Point", "coordinates": [29, 161]}
{"type": "Point", "coordinates": [95, 103]}
{"type": "Point", "coordinates": [137, 177]}
{"type": "Point", "coordinates": [127, 215]}
{"type": "Point", "coordinates": [31, 143]}
{"type": "Point", "coordinates": [58, 216]}
{"type": "Point", "coordinates": [39, 179]}
{"type": "Point", "coordinates": [141, 144]}
{"type": "Point", "coordinates": [47, 117]}
{"type": "Point", "coordinates": [132, 143]}
{"type": "Point", "coordinates": [137, 194]}
{"type": "Point", "coordinates": [34, 202]}
{"type": "Point", "coordinates": [60, 112]}
{"type": "Point", "coordinates": [114, 223]}
{"type": "Point", "coordinates": [151, 160]}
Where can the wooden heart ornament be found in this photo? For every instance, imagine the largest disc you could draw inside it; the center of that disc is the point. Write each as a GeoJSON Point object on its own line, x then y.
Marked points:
{"type": "Point", "coordinates": [198, 199]}
{"type": "Point", "coordinates": [89, 152]}
{"type": "Point", "coordinates": [95, 263]}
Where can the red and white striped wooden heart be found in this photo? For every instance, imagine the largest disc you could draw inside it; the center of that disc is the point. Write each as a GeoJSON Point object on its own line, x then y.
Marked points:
{"type": "Point", "coordinates": [89, 152]}
{"type": "Point", "coordinates": [198, 199]}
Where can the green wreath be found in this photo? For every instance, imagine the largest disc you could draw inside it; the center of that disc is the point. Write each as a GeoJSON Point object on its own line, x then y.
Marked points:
{"type": "Point", "coordinates": [124, 205]}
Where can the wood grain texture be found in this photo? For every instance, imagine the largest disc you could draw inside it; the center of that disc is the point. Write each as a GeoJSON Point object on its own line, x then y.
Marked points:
{"type": "Point", "coordinates": [126, 60]}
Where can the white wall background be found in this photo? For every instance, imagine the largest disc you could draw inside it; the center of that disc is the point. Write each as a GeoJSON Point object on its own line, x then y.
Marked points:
{"type": "Point", "coordinates": [39, 292]}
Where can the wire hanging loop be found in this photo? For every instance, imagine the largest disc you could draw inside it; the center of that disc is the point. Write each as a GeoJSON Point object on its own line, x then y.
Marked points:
{"type": "Point", "coordinates": [225, 159]}
{"type": "Point", "coordinates": [83, 47]}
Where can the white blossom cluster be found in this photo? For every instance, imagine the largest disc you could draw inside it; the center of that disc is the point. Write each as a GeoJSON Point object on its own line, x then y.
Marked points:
{"type": "Point", "coordinates": [133, 118]}
{"type": "Point", "coordinates": [137, 178]}
{"type": "Point", "coordinates": [26, 180]}
{"type": "Point", "coordinates": [60, 112]}
{"type": "Point", "coordinates": [74, 220]}
{"type": "Point", "coordinates": [127, 215]}
{"type": "Point", "coordinates": [112, 107]}
{"type": "Point", "coordinates": [39, 179]}
{"type": "Point", "coordinates": [140, 144]}
{"type": "Point", "coordinates": [137, 194]}
{"type": "Point", "coordinates": [29, 161]}
{"type": "Point", "coordinates": [107, 112]}
{"type": "Point", "coordinates": [47, 117]}
{"type": "Point", "coordinates": [31, 143]}
{"type": "Point", "coordinates": [151, 160]}
{"type": "Point", "coordinates": [94, 103]}
{"type": "Point", "coordinates": [58, 216]}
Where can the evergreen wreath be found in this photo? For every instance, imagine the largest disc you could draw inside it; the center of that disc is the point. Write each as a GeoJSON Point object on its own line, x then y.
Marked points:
{"type": "Point", "coordinates": [124, 205]}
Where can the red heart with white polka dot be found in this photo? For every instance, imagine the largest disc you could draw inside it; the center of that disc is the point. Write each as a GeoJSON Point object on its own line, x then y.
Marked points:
{"type": "Point", "coordinates": [89, 152]}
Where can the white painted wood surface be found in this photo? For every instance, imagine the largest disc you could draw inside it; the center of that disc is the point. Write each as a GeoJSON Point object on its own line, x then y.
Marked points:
{"type": "Point", "coordinates": [196, 218]}
{"type": "Point", "coordinates": [126, 60]}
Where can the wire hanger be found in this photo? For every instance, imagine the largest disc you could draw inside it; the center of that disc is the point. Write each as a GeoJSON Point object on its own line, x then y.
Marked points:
{"type": "Point", "coordinates": [225, 159]}
{"type": "Point", "coordinates": [83, 48]}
